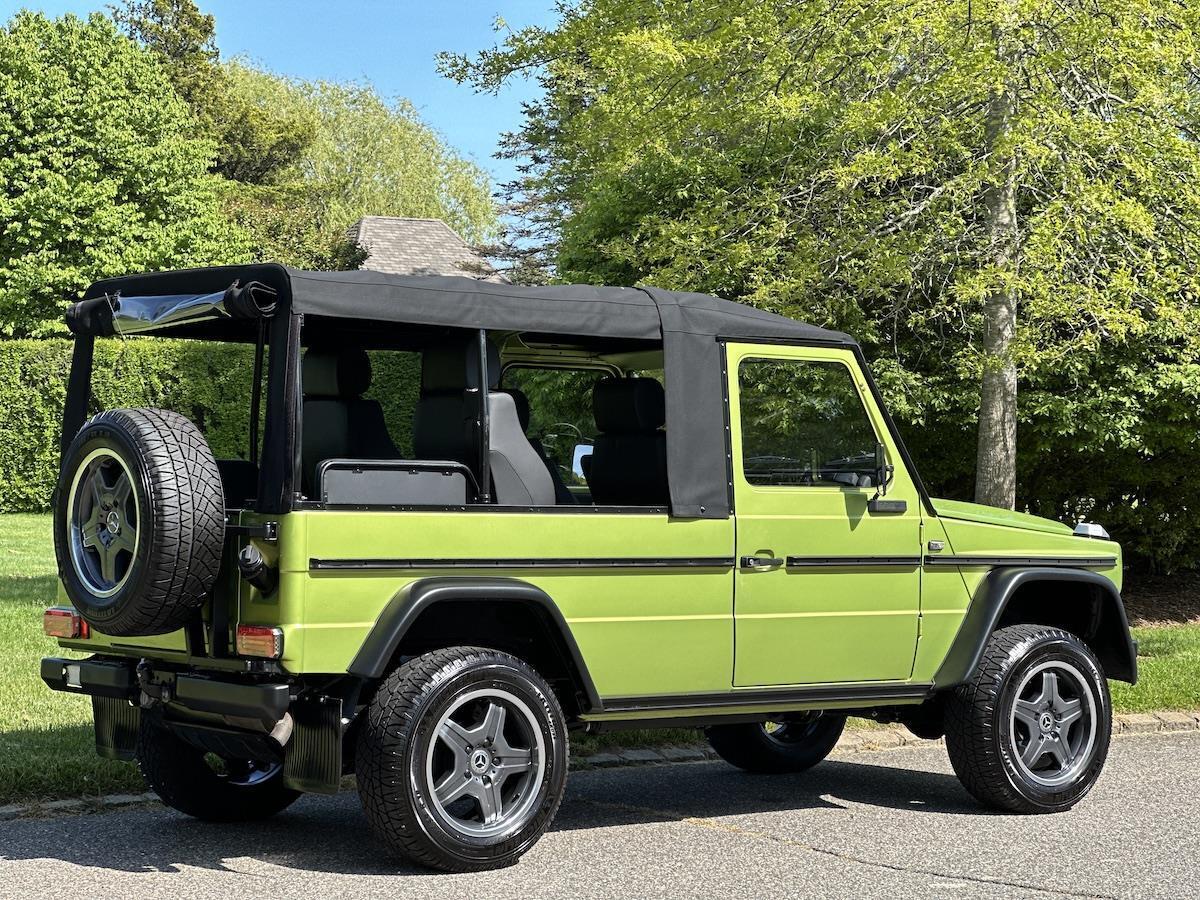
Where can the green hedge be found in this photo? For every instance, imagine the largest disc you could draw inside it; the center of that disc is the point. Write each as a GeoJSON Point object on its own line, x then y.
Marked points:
{"type": "Point", "coordinates": [209, 383]}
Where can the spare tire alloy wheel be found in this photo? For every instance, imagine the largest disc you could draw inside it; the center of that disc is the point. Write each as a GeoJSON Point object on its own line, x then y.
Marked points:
{"type": "Point", "coordinates": [139, 521]}
{"type": "Point", "coordinates": [102, 514]}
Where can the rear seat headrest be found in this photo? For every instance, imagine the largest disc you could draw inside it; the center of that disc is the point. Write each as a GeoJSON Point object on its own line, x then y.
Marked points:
{"type": "Point", "coordinates": [344, 373]}
{"type": "Point", "coordinates": [628, 405]}
{"type": "Point", "coordinates": [455, 367]}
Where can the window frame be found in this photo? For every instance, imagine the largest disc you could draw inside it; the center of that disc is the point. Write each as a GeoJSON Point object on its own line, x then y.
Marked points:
{"type": "Point", "coordinates": [766, 356]}
{"type": "Point", "coordinates": [607, 369]}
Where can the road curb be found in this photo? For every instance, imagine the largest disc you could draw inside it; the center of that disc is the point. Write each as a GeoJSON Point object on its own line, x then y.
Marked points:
{"type": "Point", "coordinates": [867, 740]}
{"type": "Point", "coordinates": [74, 805]}
{"type": "Point", "coordinates": [859, 740]}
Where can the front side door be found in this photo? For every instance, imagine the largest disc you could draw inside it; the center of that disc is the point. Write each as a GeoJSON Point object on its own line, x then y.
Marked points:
{"type": "Point", "coordinates": [826, 590]}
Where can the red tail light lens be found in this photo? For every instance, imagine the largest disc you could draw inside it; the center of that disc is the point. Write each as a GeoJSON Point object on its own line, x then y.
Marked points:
{"type": "Point", "coordinates": [259, 640]}
{"type": "Point", "coordinates": [58, 622]}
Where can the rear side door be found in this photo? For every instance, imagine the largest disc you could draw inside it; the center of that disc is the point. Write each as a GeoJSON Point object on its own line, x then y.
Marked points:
{"type": "Point", "coordinates": [826, 590]}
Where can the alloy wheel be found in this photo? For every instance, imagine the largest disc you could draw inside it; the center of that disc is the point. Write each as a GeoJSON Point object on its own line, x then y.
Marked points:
{"type": "Point", "coordinates": [102, 517]}
{"type": "Point", "coordinates": [485, 763]}
{"type": "Point", "coordinates": [1053, 724]}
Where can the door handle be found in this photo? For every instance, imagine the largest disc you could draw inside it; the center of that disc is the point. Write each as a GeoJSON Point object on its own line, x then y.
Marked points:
{"type": "Point", "coordinates": [760, 562]}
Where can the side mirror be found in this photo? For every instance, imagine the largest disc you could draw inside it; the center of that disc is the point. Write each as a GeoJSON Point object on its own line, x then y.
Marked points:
{"type": "Point", "coordinates": [581, 456]}
{"type": "Point", "coordinates": [884, 471]}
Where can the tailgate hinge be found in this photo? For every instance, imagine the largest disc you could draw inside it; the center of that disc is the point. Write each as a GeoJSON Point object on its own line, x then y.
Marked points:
{"type": "Point", "coordinates": [267, 531]}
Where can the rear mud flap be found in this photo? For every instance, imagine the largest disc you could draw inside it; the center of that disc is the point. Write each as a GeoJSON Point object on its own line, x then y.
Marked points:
{"type": "Point", "coordinates": [117, 723]}
{"type": "Point", "coordinates": [314, 754]}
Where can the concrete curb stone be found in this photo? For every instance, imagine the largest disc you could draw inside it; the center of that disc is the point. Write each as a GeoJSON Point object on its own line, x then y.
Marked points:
{"type": "Point", "coordinates": [1176, 721]}
{"type": "Point", "coordinates": [1137, 723]}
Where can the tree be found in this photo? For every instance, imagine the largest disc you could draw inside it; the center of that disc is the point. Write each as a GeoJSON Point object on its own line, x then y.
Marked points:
{"type": "Point", "coordinates": [258, 124]}
{"type": "Point", "coordinates": [184, 40]}
{"type": "Point", "coordinates": [307, 159]}
{"type": "Point", "coordinates": [102, 172]}
{"type": "Point", "coordinates": [374, 157]}
{"type": "Point", "coordinates": [986, 194]}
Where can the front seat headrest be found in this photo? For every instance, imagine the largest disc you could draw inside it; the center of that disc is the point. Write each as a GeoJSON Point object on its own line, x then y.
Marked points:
{"type": "Point", "coordinates": [521, 402]}
{"type": "Point", "coordinates": [344, 373]}
{"type": "Point", "coordinates": [628, 405]}
{"type": "Point", "coordinates": [455, 367]}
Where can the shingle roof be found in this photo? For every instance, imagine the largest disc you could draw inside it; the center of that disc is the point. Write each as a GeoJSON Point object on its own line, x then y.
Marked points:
{"type": "Point", "coordinates": [404, 246]}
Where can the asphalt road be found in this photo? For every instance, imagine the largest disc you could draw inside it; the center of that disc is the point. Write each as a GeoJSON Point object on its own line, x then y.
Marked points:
{"type": "Point", "coordinates": [888, 824]}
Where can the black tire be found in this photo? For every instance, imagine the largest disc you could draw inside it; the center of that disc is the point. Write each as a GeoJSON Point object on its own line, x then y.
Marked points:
{"type": "Point", "coordinates": [184, 780]}
{"type": "Point", "coordinates": [986, 740]}
{"type": "Point", "coordinates": [398, 746]}
{"type": "Point", "coordinates": [789, 746]}
{"type": "Point", "coordinates": [174, 507]}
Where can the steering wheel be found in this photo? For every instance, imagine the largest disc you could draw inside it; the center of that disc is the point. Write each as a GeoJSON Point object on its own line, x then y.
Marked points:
{"type": "Point", "coordinates": [553, 430]}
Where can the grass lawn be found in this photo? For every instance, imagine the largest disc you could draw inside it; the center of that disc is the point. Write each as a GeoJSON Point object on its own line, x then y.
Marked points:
{"type": "Point", "coordinates": [46, 745]}
{"type": "Point", "coordinates": [46, 748]}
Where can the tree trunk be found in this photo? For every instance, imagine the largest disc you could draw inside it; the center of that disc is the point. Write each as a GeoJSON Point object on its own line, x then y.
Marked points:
{"type": "Point", "coordinates": [996, 453]}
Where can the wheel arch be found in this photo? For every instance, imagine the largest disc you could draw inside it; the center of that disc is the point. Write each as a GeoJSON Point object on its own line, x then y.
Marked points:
{"type": "Point", "coordinates": [432, 611]}
{"type": "Point", "coordinates": [1085, 603]}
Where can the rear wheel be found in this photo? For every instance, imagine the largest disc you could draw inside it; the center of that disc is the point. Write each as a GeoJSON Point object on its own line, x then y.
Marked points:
{"type": "Point", "coordinates": [1030, 731]}
{"type": "Point", "coordinates": [207, 787]}
{"type": "Point", "coordinates": [791, 745]}
{"type": "Point", "coordinates": [462, 759]}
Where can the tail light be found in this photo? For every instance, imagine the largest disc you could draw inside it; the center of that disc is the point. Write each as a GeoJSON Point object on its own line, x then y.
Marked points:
{"type": "Point", "coordinates": [58, 622]}
{"type": "Point", "coordinates": [259, 640]}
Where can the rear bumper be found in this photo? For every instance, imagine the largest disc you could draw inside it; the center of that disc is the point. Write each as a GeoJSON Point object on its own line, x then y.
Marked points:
{"type": "Point", "coordinates": [266, 702]}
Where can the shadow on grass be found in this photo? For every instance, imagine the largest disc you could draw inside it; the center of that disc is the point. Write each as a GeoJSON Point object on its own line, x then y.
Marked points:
{"type": "Point", "coordinates": [40, 589]}
{"type": "Point", "coordinates": [330, 834]}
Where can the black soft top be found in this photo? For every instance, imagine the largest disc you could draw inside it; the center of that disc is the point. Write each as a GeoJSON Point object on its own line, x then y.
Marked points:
{"type": "Point", "coordinates": [448, 301]}
{"type": "Point", "coordinates": [225, 303]}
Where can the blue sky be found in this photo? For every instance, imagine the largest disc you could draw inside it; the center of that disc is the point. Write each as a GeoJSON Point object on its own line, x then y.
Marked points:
{"type": "Point", "coordinates": [390, 43]}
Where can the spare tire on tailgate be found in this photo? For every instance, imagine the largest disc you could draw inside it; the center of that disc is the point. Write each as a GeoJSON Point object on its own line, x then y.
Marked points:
{"type": "Point", "coordinates": [139, 521]}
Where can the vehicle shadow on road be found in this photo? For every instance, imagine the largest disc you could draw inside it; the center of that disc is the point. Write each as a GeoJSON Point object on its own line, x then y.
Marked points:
{"type": "Point", "coordinates": [330, 834]}
{"type": "Point", "coordinates": [716, 790]}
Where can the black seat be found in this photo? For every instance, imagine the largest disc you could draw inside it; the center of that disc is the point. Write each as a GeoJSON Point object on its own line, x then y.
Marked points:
{"type": "Point", "coordinates": [338, 422]}
{"type": "Point", "coordinates": [444, 425]}
{"type": "Point", "coordinates": [562, 493]}
{"type": "Point", "coordinates": [629, 458]}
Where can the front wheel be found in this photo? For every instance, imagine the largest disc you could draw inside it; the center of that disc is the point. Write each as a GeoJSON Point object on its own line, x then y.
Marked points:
{"type": "Point", "coordinates": [462, 759]}
{"type": "Point", "coordinates": [1030, 731]}
{"type": "Point", "coordinates": [792, 745]}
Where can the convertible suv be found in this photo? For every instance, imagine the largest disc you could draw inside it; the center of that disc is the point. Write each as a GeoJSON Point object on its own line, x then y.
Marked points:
{"type": "Point", "coordinates": [481, 516]}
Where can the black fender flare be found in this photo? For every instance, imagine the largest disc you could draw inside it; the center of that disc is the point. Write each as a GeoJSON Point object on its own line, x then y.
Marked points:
{"type": "Point", "coordinates": [379, 648]}
{"type": "Point", "coordinates": [1110, 637]}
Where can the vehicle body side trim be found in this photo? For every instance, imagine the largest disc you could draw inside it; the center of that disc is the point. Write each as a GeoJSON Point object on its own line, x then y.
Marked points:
{"type": "Point", "coordinates": [856, 562]}
{"type": "Point", "coordinates": [597, 562]}
{"type": "Point", "coordinates": [380, 646]}
{"type": "Point", "coordinates": [992, 597]}
{"type": "Point", "coordinates": [1080, 562]}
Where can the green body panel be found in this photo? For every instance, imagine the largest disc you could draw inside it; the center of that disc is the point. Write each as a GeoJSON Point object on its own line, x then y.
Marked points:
{"type": "Point", "coordinates": [640, 631]}
{"type": "Point", "coordinates": [809, 625]}
{"type": "Point", "coordinates": [961, 511]}
{"type": "Point", "coordinates": [944, 601]}
{"type": "Point", "coordinates": [649, 632]}
{"type": "Point", "coordinates": [970, 529]}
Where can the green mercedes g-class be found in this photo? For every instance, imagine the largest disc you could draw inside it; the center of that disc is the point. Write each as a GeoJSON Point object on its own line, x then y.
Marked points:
{"type": "Point", "coordinates": [568, 507]}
